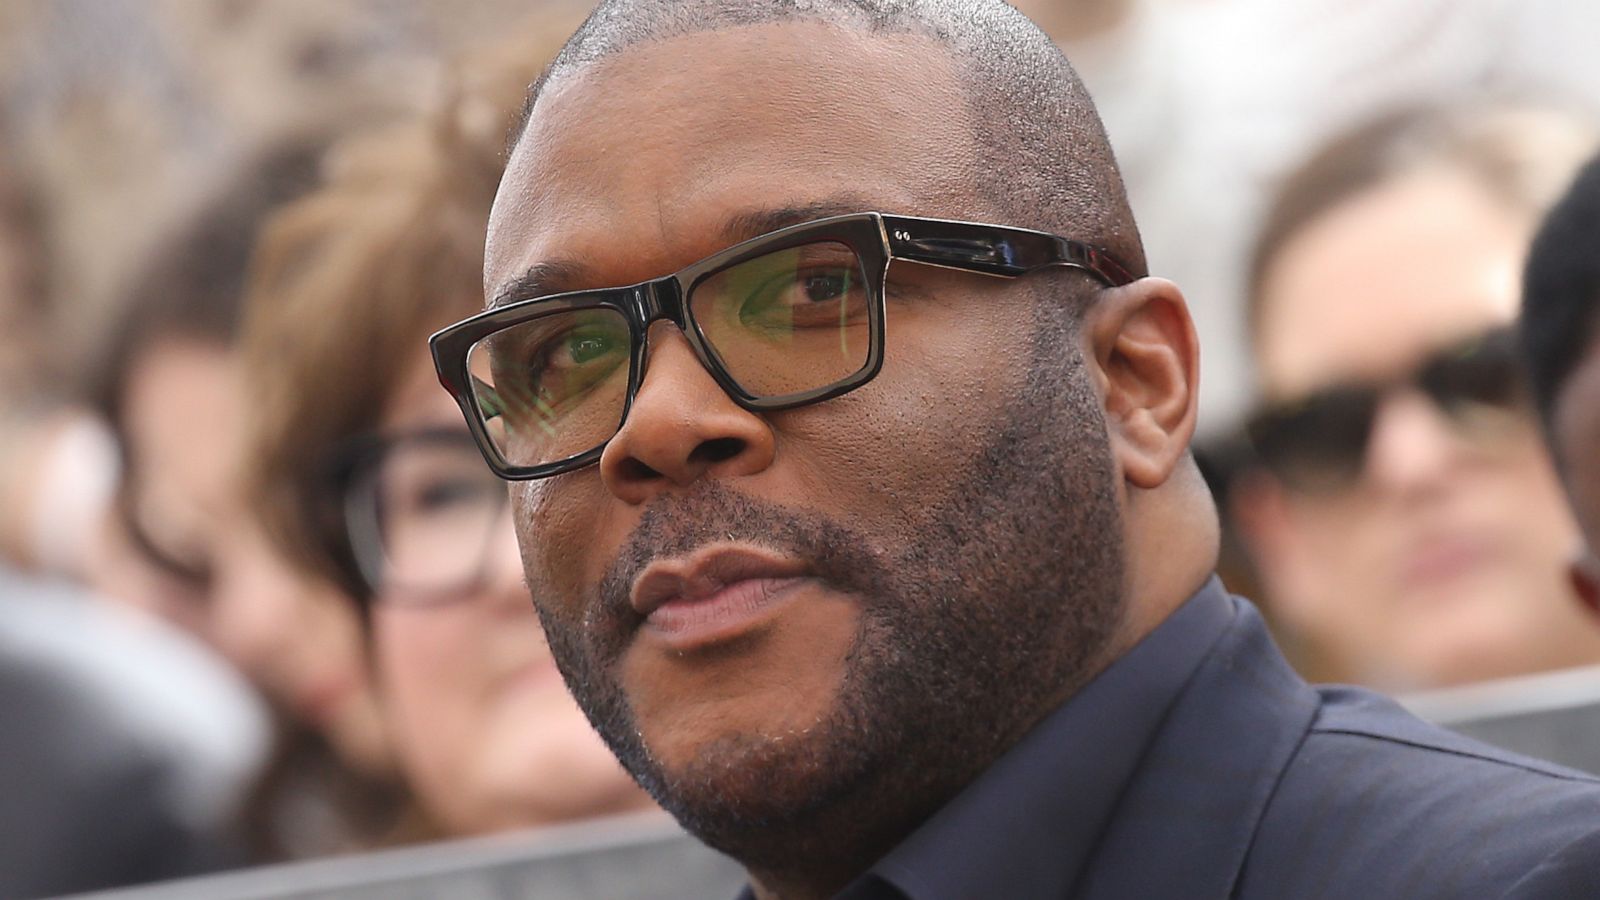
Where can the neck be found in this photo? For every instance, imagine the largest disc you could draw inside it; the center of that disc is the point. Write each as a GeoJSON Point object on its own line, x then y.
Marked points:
{"type": "Point", "coordinates": [819, 854]}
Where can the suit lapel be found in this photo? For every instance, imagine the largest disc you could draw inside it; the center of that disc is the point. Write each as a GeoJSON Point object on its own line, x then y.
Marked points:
{"type": "Point", "coordinates": [1186, 821]}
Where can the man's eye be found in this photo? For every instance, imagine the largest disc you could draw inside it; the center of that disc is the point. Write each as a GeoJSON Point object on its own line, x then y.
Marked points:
{"type": "Point", "coordinates": [789, 294]}
{"type": "Point", "coordinates": [579, 347]}
{"type": "Point", "coordinates": [584, 348]}
{"type": "Point", "coordinates": [566, 365]}
{"type": "Point", "coordinates": [821, 287]}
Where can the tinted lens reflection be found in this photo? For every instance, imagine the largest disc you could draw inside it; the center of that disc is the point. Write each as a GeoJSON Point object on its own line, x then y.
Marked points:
{"type": "Point", "coordinates": [789, 321]}
{"type": "Point", "coordinates": [1319, 443]}
{"type": "Point", "coordinates": [554, 387]}
{"type": "Point", "coordinates": [1481, 374]}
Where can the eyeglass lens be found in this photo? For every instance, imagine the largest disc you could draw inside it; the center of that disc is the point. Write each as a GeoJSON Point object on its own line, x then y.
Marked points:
{"type": "Point", "coordinates": [435, 508]}
{"type": "Point", "coordinates": [778, 324]}
{"type": "Point", "coordinates": [1320, 442]}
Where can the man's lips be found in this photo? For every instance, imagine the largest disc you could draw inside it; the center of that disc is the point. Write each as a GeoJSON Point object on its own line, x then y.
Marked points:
{"type": "Point", "coordinates": [715, 592]}
{"type": "Point", "coordinates": [705, 573]}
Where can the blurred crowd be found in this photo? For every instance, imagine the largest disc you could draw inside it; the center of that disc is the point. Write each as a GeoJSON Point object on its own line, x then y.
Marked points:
{"type": "Point", "coordinates": [259, 595]}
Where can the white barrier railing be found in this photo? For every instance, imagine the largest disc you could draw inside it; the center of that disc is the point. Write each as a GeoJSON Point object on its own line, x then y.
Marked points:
{"type": "Point", "coordinates": [1554, 716]}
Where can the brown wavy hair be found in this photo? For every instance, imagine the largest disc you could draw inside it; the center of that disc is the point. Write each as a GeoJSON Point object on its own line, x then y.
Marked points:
{"type": "Point", "coordinates": [348, 282]}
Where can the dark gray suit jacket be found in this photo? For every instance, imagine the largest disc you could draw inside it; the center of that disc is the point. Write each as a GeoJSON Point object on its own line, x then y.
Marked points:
{"type": "Point", "coordinates": [1201, 766]}
{"type": "Point", "coordinates": [87, 798]}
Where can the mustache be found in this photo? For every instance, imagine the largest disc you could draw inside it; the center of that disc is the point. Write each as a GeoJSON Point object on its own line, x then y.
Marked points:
{"type": "Point", "coordinates": [678, 524]}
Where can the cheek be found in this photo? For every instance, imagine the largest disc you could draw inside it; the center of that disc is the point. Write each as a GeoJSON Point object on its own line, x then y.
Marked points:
{"type": "Point", "coordinates": [428, 672]}
{"type": "Point", "coordinates": [336, 628]}
{"type": "Point", "coordinates": [1526, 477]}
{"type": "Point", "coordinates": [1340, 534]}
{"type": "Point", "coordinates": [916, 428]}
{"type": "Point", "coordinates": [306, 631]}
{"type": "Point", "coordinates": [565, 535]}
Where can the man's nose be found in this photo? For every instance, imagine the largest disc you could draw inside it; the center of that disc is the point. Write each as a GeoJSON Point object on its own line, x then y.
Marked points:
{"type": "Point", "coordinates": [682, 427]}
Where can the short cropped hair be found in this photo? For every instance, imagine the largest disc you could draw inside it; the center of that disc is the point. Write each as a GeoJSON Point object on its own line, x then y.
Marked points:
{"type": "Point", "coordinates": [1047, 162]}
{"type": "Point", "coordinates": [1521, 156]}
{"type": "Point", "coordinates": [348, 283]}
{"type": "Point", "coordinates": [1561, 291]}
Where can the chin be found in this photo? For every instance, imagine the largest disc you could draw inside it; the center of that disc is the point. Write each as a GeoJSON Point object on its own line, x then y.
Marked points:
{"type": "Point", "coordinates": [748, 728]}
{"type": "Point", "coordinates": [741, 781]}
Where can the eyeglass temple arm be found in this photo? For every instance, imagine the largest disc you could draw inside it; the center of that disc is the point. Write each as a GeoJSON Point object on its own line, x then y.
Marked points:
{"type": "Point", "coordinates": [995, 250]}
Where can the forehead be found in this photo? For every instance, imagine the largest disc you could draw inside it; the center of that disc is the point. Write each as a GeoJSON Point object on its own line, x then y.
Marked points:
{"type": "Point", "coordinates": [654, 150]}
{"type": "Point", "coordinates": [1374, 284]}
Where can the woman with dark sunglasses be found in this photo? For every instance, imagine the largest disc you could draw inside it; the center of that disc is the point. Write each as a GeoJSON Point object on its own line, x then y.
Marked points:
{"type": "Point", "coordinates": [1404, 519]}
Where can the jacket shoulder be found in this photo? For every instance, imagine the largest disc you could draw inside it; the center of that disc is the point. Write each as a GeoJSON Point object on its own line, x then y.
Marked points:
{"type": "Point", "coordinates": [1378, 801]}
{"type": "Point", "coordinates": [1385, 729]}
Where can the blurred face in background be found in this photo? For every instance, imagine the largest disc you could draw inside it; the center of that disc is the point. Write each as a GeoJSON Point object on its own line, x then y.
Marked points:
{"type": "Point", "coordinates": [204, 564]}
{"type": "Point", "coordinates": [1434, 551]}
{"type": "Point", "coordinates": [484, 727]}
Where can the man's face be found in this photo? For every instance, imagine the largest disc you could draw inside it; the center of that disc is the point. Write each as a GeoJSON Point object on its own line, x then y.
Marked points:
{"type": "Point", "coordinates": [871, 595]}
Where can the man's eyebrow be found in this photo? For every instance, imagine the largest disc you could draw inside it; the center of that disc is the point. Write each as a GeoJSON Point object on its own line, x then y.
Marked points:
{"type": "Point", "coordinates": [539, 280]}
{"type": "Point", "coordinates": [756, 222]}
{"type": "Point", "coordinates": [543, 279]}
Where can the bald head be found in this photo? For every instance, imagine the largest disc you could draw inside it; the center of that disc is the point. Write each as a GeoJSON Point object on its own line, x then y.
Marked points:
{"type": "Point", "coordinates": [1045, 161]}
{"type": "Point", "coordinates": [807, 744]}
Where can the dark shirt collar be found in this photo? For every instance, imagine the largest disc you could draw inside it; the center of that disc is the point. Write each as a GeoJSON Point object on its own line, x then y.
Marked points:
{"type": "Point", "coordinates": [1029, 825]}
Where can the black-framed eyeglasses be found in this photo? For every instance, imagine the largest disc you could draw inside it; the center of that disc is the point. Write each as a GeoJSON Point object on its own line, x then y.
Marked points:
{"type": "Point", "coordinates": [421, 514]}
{"type": "Point", "coordinates": [786, 319]}
{"type": "Point", "coordinates": [1318, 443]}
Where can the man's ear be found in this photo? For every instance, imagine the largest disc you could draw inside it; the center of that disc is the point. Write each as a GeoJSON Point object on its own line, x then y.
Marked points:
{"type": "Point", "coordinates": [1142, 345]}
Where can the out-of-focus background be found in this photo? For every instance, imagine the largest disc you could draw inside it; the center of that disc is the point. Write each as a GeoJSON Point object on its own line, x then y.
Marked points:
{"type": "Point", "coordinates": [124, 112]}
{"type": "Point", "coordinates": [207, 663]}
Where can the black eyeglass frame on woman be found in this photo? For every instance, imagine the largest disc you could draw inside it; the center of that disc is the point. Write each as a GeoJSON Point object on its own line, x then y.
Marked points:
{"type": "Point", "coordinates": [876, 238]}
{"type": "Point", "coordinates": [354, 476]}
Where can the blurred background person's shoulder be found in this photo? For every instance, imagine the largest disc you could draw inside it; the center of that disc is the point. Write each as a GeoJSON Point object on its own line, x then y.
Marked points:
{"type": "Point", "coordinates": [127, 747]}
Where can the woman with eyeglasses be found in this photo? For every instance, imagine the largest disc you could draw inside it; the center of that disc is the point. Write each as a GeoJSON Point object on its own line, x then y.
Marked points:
{"type": "Point", "coordinates": [1401, 512]}
{"type": "Point", "coordinates": [368, 478]}
{"type": "Point", "coordinates": [181, 545]}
